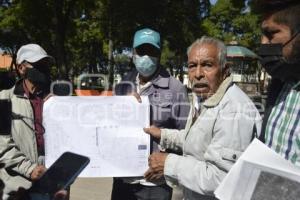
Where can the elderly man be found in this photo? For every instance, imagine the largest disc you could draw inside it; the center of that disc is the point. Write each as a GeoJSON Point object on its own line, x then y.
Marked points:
{"type": "Point", "coordinates": [280, 56]}
{"type": "Point", "coordinates": [218, 130]}
{"type": "Point", "coordinates": [169, 109]}
{"type": "Point", "coordinates": [22, 150]}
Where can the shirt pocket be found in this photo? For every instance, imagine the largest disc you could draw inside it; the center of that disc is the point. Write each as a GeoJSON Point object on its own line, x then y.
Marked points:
{"type": "Point", "coordinates": [161, 111]}
{"type": "Point", "coordinates": [230, 155]}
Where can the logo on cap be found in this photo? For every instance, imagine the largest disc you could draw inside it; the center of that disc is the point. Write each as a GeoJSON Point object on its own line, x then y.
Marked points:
{"type": "Point", "coordinates": [146, 36]}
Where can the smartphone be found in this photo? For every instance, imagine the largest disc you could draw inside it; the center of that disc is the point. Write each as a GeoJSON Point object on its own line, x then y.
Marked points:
{"type": "Point", "coordinates": [61, 174]}
{"type": "Point", "coordinates": [5, 117]}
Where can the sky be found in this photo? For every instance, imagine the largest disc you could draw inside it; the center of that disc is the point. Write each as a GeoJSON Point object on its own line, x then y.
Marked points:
{"type": "Point", "coordinates": [213, 1]}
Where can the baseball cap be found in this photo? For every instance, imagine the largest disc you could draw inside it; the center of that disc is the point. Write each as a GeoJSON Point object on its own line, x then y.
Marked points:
{"type": "Point", "coordinates": [146, 36]}
{"type": "Point", "coordinates": [31, 53]}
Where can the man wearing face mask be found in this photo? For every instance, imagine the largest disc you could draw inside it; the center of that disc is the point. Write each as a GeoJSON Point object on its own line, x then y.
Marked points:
{"type": "Point", "coordinates": [22, 150]}
{"type": "Point", "coordinates": [280, 56]}
{"type": "Point", "coordinates": [169, 109]}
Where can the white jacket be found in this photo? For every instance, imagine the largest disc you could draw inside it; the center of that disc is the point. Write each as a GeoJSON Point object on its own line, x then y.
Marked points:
{"type": "Point", "coordinates": [18, 150]}
{"type": "Point", "coordinates": [211, 145]}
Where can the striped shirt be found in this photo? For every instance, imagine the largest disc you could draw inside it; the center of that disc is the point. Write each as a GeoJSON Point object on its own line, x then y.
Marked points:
{"type": "Point", "coordinates": [283, 126]}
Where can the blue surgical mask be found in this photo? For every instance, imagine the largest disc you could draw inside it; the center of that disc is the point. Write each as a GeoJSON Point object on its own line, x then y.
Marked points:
{"type": "Point", "coordinates": [145, 65]}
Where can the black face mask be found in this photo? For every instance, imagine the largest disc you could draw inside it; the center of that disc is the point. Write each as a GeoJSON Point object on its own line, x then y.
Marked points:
{"type": "Point", "coordinates": [275, 64]}
{"type": "Point", "coordinates": [40, 79]}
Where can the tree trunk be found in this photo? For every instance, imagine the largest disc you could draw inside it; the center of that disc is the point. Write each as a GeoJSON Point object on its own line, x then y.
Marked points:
{"type": "Point", "coordinates": [62, 13]}
{"type": "Point", "coordinates": [13, 63]}
{"type": "Point", "coordinates": [110, 59]}
{"type": "Point", "coordinates": [110, 64]}
{"type": "Point", "coordinates": [180, 68]}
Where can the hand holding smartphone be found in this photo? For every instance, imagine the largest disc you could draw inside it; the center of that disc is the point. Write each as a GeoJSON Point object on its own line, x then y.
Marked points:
{"type": "Point", "coordinates": [61, 174]}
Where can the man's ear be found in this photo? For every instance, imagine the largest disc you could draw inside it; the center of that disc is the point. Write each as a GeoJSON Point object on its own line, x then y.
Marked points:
{"type": "Point", "coordinates": [21, 68]}
{"type": "Point", "coordinates": [226, 71]}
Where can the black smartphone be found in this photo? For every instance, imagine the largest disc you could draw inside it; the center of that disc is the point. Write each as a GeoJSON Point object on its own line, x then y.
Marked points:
{"type": "Point", "coordinates": [61, 174]}
{"type": "Point", "coordinates": [5, 117]}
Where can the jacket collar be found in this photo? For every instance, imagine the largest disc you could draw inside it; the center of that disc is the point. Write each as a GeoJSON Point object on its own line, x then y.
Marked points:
{"type": "Point", "coordinates": [215, 99]}
{"type": "Point", "coordinates": [19, 90]}
{"type": "Point", "coordinates": [296, 86]}
{"type": "Point", "coordinates": [162, 79]}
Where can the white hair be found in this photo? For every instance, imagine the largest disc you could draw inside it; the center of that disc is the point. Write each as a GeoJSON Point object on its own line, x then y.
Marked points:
{"type": "Point", "coordinates": [222, 50]}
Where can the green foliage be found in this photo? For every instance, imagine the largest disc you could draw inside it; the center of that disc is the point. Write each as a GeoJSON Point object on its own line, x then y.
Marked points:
{"type": "Point", "coordinates": [230, 20]}
{"type": "Point", "coordinates": [78, 32]}
{"type": "Point", "coordinates": [167, 54]}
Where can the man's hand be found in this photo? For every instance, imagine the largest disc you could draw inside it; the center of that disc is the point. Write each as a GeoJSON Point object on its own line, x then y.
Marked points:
{"type": "Point", "coordinates": [137, 96]}
{"type": "Point", "coordinates": [60, 195]}
{"type": "Point", "coordinates": [48, 96]}
{"type": "Point", "coordinates": [156, 164]}
{"type": "Point", "coordinates": [153, 131]}
{"type": "Point", "coordinates": [37, 172]}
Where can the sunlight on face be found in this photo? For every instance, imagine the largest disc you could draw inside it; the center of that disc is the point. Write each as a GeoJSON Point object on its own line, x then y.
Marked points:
{"type": "Point", "coordinates": [204, 70]}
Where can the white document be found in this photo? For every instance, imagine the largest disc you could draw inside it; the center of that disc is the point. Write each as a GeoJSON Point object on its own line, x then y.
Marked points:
{"type": "Point", "coordinates": [109, 130]}
{"type": "Point", "coordinates": [241, 180]}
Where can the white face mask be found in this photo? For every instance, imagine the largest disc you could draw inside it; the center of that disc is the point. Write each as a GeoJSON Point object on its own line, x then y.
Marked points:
{"type": "Point", "coordinates": [145, 65]}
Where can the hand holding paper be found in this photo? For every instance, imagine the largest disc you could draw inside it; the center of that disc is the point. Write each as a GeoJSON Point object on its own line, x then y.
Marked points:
{"type": "Point", "coordinates": [156, 166]}
{"type": "Point", "coordinates": [109, 130]}
{"type": "Point", "coordinates": [153, 131]}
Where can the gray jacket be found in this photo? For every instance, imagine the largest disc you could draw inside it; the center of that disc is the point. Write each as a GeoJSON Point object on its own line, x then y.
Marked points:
{"type": "Point", "coordinates": [18, 150]}
{"type": "Point", "coordinates": [168, 98]}
{"type": "Point", "coordinates": [212, 143]}
{"type": "Point", "coordinates": [169, 105]}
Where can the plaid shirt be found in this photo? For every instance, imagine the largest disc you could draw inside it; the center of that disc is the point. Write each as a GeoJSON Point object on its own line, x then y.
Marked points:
{"type": "Point", "coordinates": [283, 126]}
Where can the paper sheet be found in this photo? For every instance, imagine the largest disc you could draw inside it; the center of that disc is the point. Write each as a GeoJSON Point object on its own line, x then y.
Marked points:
{"type": "Point", "coordinates": [241, 180]}
{"type": "Point", "coordinates": [109, 130]}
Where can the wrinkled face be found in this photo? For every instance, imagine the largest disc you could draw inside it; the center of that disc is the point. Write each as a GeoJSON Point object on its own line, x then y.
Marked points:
{"type": "Point", "coordinates": [274, 33]}
{"type": "Point", "coordinates": [204, 70]}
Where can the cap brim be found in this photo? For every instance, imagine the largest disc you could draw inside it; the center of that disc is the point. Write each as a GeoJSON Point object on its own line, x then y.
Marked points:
{"type": "Point", "coordinates": [36, 58]}
{"type": "Point", "coordinates": [153, 44]}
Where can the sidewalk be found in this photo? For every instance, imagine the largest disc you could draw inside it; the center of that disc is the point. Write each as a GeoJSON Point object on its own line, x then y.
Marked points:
{"type": "Point", "coordinates": [98, 189]}
{"type": "Point", "coordinates": [91, 189]}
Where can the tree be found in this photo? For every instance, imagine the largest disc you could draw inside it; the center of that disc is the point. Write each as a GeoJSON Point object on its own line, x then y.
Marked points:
{"type": "Point", "coordinates": [231, 20]}
{"type": "Point", "coordinates": [181, 28]}
{"type": "Point", "coordinates": [11, 34]}
{"type": "Point", "coordinates": [48, 23]}
{"type": "Point", "coordinates": [83, 34]}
